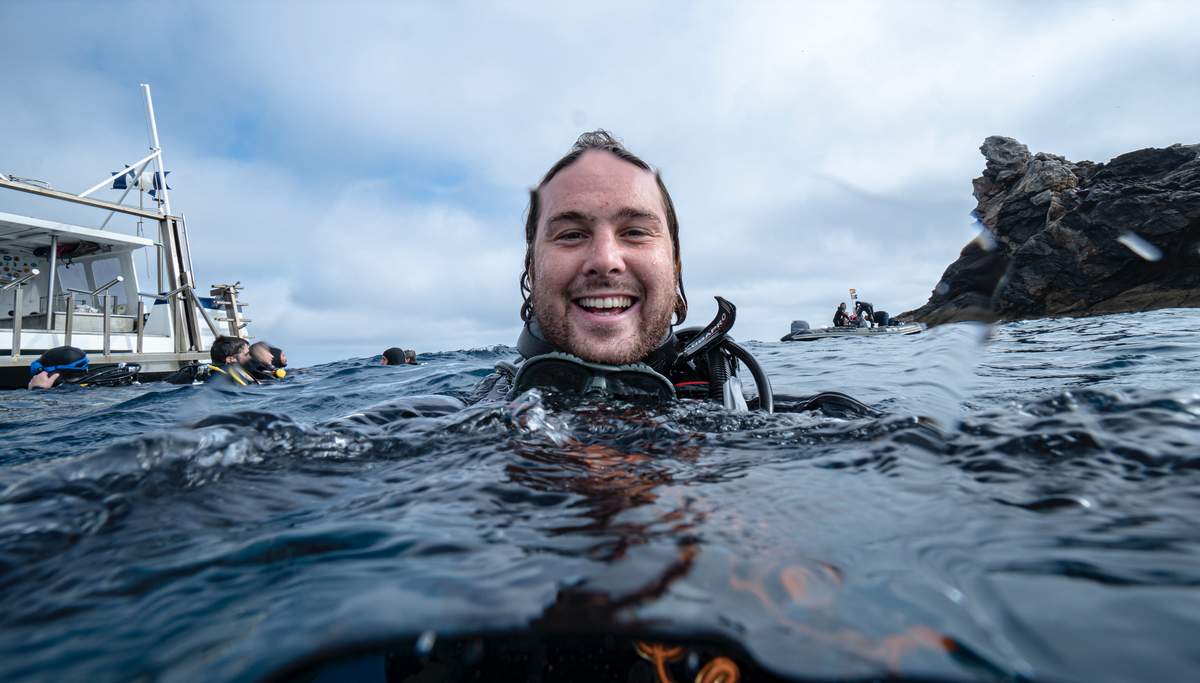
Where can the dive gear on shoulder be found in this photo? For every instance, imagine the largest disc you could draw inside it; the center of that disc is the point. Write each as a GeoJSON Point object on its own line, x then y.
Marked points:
{"type": "Point", "coordinates": [712, 335]}
{"type": "Point", "coordinates": [233, 373]}
{"type": "Point", "coordinates": [712, 353]}
{"type": "Point", "coordinates": [695, 362]}
{"type": "Point", "coordinates": [572, 376]}
{"type": "Point", "coordinates": [196, 371]}
{"type": "Point", "coordinates": [123, 375]}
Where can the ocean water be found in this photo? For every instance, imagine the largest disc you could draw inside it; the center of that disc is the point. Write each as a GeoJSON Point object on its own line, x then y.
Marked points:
{"type": "Point", "coordinates": [1026, 506]}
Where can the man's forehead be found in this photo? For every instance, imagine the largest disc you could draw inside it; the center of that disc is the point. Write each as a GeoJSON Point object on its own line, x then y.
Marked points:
{"type": "Point", "coordinates": [598, 179]}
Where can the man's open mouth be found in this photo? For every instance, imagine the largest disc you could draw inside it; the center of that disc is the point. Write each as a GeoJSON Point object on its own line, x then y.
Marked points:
{"type": "Point", "coordinates": [605, 305]}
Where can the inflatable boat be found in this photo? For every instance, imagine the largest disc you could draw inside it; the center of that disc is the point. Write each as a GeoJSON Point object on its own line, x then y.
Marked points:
{"type": "Point", "coordinates": [802, 332]}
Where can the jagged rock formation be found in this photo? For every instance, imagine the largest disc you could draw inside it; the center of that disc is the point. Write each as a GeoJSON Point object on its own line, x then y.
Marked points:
{"type": "Point", "coordinates": [1076, 239]}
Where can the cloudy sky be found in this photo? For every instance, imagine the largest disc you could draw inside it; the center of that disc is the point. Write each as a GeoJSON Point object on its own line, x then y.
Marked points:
{"type": "Point", "coordinates": [363, 168]}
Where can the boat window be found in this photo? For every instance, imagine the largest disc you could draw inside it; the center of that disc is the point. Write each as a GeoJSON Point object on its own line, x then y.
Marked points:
{"type": "Point", "coordinates": [70, 277]}
{"type": "Point", "coordinates": [104, 271]}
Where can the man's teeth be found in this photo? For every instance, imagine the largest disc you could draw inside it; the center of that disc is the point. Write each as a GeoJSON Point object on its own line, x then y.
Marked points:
{"type": "Point", "coordinates": [606, 302]}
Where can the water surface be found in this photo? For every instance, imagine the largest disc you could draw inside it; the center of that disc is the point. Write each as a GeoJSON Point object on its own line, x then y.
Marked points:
{"type": "Point", "coordinates": [1025, 507]}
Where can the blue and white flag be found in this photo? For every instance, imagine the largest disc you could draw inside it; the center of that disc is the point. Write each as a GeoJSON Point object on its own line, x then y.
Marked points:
{"type": "Point", "coordinates": [146, 181]}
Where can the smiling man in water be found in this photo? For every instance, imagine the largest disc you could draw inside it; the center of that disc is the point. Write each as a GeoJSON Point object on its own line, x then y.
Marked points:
{"type": "Point", "coordinates": [602, 280]}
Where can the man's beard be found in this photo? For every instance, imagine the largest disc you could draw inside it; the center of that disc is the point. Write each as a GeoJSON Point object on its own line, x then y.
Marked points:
{"type": "Point", "coordinates": [561, 332]}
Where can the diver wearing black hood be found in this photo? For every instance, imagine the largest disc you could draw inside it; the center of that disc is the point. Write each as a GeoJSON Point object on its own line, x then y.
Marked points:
{"type": "Point", "coordinates": [64, 364]}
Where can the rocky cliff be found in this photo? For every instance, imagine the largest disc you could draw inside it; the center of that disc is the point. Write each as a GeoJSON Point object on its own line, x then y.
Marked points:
{"type": "Point", "coordinates": [1075, 239]}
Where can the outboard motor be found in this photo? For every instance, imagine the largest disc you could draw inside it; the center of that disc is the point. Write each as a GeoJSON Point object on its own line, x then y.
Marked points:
{"type": "Point", "coordinates": [800, 326]}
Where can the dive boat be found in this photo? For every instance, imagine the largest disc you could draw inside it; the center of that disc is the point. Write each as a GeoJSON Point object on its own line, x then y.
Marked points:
{"type": "Point", "coordinates": [71, 285]}
{"type": "Point", "coordinates": [802, 332]}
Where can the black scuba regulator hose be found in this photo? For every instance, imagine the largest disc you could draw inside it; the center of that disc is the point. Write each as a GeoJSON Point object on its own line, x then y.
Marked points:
{"type": "Point", "coordinates": [718, 373]}
{"type": "Point", "coordinates": [766, 398]}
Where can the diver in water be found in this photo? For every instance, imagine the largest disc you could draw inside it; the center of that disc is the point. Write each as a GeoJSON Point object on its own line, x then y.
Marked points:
{"type": "Point", "coordinates": [410, 357]}
{"type": "Point", "coordinates": [840, 317]}
{"type": "Point", "coordinates": [69, 365]}
{"type": "Point", "coordinates": [261, 366]}
{"type": "Point", "coordinates": [229, 358]}
{"type": "Point", "coordinates": [603, 286]}
{"type": "Point", "coordinates": [393, 356]}
{"type": "Point", "coordinates": [57, 366]}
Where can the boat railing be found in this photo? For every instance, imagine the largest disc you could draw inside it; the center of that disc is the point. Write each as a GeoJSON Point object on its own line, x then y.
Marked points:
{"type": "Point", "coordinates": [17, 312]}
{"type": "Point", "coordinates": [101, 292]}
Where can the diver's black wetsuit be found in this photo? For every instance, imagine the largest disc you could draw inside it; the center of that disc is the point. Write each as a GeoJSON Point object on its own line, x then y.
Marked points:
{"type": "Point", "coordinates": [841, 318]}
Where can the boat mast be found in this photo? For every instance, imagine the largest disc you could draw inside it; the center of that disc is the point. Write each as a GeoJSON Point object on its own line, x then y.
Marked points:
{"type": "Point", "coordinates": [152, 132]}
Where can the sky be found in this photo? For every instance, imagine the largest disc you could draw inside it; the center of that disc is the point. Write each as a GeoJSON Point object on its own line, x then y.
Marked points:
{"type": "Point", "coordinates": [363, 168]}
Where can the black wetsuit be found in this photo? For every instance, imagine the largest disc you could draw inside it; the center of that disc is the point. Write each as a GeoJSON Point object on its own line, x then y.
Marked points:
{"type": "Point", "coordinates": [841, 318]}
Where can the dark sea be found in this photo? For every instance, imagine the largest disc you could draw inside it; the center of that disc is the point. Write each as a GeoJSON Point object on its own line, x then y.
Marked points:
{"type": "Point", "coordinates": [1026, 507]}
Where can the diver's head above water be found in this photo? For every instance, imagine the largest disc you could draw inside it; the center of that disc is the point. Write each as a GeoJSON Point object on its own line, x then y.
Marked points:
{"type": "Point", "coordinates": [602, 263]}
{"type": "Point", "coordinates": [230, 350]}
{"type": "Point", "coordinates": [261, 351]}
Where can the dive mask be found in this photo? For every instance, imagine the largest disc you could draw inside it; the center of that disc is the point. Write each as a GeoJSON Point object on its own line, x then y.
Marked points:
{"type": "Point", "coordinates": [570, 375]}
{"type": "Point", "coordinates": [79, 366]}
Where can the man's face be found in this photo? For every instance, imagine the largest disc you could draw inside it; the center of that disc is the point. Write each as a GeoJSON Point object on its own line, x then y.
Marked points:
{"type": "Point", "coordinates": [262, 355]}
{"type": "Point", "coordinates": [603, 278]}
{"type": "Point", "coordinates": [242, 358]}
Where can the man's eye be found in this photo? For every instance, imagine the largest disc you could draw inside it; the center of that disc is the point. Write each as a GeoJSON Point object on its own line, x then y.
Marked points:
{"type": "Point", "coordinates": [571, 235]}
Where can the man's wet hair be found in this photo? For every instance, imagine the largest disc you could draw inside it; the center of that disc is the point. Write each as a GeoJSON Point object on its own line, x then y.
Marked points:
{"type": "Point", "coordinates": [225, 346]}
{"type": "Point", "coordinates": [602, 140]}
{"type": "Point", "coordinates": [410, 356]}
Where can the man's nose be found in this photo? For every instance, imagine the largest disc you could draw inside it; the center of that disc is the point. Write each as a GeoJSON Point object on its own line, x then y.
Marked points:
{"type": "Point", "coordinates": [606, 256]}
